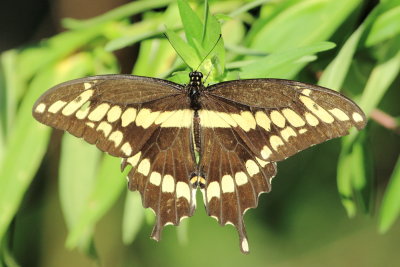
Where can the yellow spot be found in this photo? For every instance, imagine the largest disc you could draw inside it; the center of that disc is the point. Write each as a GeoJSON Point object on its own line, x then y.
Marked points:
{"type": "Point", "coordinates": [261, 162]}
{"type": "Point", "coordinates": [116, 137]}
{"type": "Point", "coordinates": [263, 120]}
{"type": "Point", "coordinates": [99, 112]}
{"type": "Point", "coordinates": [212, 119]}
{"type": "Point", "coordinates": [114, 114]}
{"type": "Point", "coordinates": [306, 92]}
{"type": "Point", "coordinates": [183, 190]}
{"type": "Point", "coordinates": [245, 120]}
{"type": "Point", "coordinates": [287, 133]}
{"type": "Point", "coordinates": [278, 119]}
{"type": "Point", "coordinates": [40, 108]}
{"type": "Point", "coordinates": [75, 104]}
{"type": "Point", "coordinates": [252, 167]}
{"type": "Point", "coordinates": [227, 184]}
{"type": "Point", "coordinates": [146, 117]}
{"type": "Point", "coordinates": [241, 178]}
{"type": "Point", "coordinates": [105, 128]}
{"type": "Point", "coordinates": [81, 114]}
{"type": "Point", "coordinates": [127, 149]}
{"type": "Point", "coordinates": [339, 114]}
{"type": "Point", "coordinates": [301, 131]}
{"type": "Point", "coordinates": [168, 184]}
{"type": "Point", "coordinates": [128, 117]}
{"type": "Point", "coordinates": [180, 118]}
{"type": "Point", "coordinates": [155, 178]}
{"type": "Point", "coordinates": [55, 107]}
{"type": "Point", "coordinates": [311, 119]}
{"type": "Point", "coordinates": [133, 161]}
{"type": "Point", "coordinates": [194, 179]}
{"type": "Point", "coordinates": [87, 86]}
{"type": "Point", "coordinates": [293, 118]}
{"type": "Point", "coordinates": [317, 109]}
{"type": "Point", "coordinates": [90, 124]}
{"type": "Point", "coordinates": [144, 167]}
{"type": "Point", "coordinates": [213, 190]}
{"type": "Point", "coordinates": [275, 141]}
{"type": "Point", "coordinates": [357, 117]}
{"type": "Point", "coordinates": [202, 180]}
{"type": "Point", "coordinates": [266, 152]}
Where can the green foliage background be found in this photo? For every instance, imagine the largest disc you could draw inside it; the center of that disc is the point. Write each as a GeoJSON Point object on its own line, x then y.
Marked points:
{"type": "Point", "coordinates": [351, 45]}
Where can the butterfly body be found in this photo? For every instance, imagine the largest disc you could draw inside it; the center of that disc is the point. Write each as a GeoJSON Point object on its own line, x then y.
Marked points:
{"type": "Point", "coordinates": [224, 139]}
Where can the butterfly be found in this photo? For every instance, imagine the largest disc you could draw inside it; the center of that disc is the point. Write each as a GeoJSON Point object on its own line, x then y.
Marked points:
{"type": "Point", "coordinates": [224, 139]}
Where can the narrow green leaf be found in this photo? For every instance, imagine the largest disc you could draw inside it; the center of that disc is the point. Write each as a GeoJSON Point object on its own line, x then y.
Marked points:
{"type": "Point", "coordinates": [28, 139]}
{"type": "Point", "coordinates": [27, 135]}
{"type": "Point", "coordinates": [361, 172]}
{"type": "Point", "coordinates": [124, 11]}
{"type": "Point", "coordinates": [33, 59]}
{"type": "Point", "coordinates": [302, 24]}
{"type": "Point", "coordinates": [109, 185]}
{"type": "Point", "coordinates": [381, 78]}
{"type": "Point", "coordinates": [344, 179]}
{"type": "Point", "coordinates": [192, 24]}
{"type": "Point", "coordinates": [390, 207]}
{"type": "Point", "coordinates": [77, 174]}
{"type": "Point", "coordinates": [185, 51]}
{"type": "Point", "coordinates": [271, 65]}
{"type": "Point", "coordinates": [155, 58]}
{"type": "Point", "coordinates": [133, 217]}
{"type": "Point", "coordinates": [8, 99]}
{"type": "Point", "coordinates": [386, 26]}
{"type": "Point", "coordinates": [334, 75]}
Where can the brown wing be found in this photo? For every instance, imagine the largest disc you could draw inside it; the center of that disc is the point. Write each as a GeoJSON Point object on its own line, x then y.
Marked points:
{"type": "Point", "coordinates": [118, 113]}
{"type": "Point", "coordinates": [161, 172]}
{"type": "Point", "coordinates": [278, 118]}
{"type": "Point", "coordinates": [248, 125]}
{"type": "Point", "coordinates": [234, 176]}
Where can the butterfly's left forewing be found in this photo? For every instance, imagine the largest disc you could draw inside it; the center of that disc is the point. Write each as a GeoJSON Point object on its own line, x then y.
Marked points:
{"type": "Point", "coordinates": [118, 113]}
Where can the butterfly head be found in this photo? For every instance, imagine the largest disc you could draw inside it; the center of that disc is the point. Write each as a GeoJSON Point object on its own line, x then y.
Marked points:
{"type": "Point", "coordinates": [195, 78]}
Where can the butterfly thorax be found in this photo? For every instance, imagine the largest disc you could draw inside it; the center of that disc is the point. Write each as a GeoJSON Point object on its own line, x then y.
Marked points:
{"type": "Point", "coordinates": [194, 88]}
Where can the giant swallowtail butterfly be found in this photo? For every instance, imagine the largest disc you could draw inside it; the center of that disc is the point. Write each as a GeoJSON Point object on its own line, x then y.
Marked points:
{"type": "Point", "coordinates": [224, 139]}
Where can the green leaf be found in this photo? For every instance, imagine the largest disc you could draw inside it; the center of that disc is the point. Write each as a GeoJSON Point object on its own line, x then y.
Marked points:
{"type": "Point", "coordinates": [77, 174]}
{"type": "Point", "coordinates": [381, 78]}
{"type": "Point", "coordinates": [8, 95]}
{"type": "Point", "coordinates": [277, 65]}
{"type": "Point", "coordinates": [124, 11]}
{"type": "Point", "coordinates": [154, 62]}
{"type": "Point", "coordinates": [336, 72]}
{"type": "Point", "coordinates": [386, 26]}
{"type": "Point", "coordinates": [382, 75]}
{"type": "Point", "coordinates": [302, 24]}
{"type": "Point", "coordinates": [361, 171]}
{"type": "Point", "coordinates": [390, 207]}
{"type": "Point", "coordinates": [133, 217]}
{"type": "Point", "coordinates": [29, 135]}
{"type": "Point", "coordinates": [185, 51]}
{"type": "Point", "coordinates": [109, 185]}
{"type": "Point", "coordinates": [192, 24]}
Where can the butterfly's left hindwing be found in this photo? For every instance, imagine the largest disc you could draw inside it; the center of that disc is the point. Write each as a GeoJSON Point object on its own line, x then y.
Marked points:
{"type": "Point", "coordinates": [161, 174]}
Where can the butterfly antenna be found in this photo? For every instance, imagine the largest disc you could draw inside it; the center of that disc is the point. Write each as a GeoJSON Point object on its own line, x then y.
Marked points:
{"type": "Point", "coordinates": [209, 52]}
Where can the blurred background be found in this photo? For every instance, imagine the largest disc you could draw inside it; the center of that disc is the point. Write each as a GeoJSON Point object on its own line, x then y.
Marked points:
{"type": "Point", "coordinates": [63, 203]}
